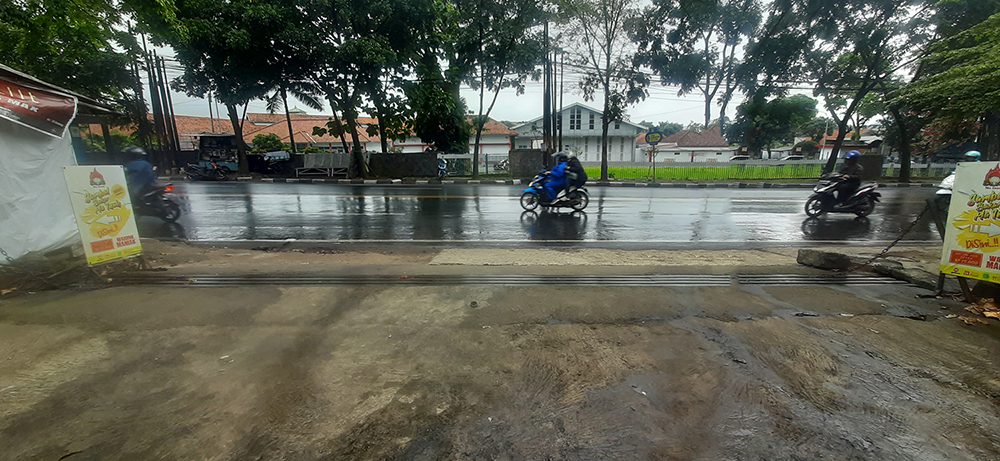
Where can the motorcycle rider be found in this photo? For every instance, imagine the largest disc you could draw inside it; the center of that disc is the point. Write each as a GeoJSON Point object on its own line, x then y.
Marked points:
{"type": "Point", "coordinates": [851, 176]}
{"type": "Point", "coordinates": [139, 173]}
{"type": "Point", "coordinates": [555, 178]}
{"type": "Point", "coordinates": [577, 176]}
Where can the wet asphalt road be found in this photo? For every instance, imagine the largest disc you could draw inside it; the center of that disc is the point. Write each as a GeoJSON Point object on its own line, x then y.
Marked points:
{"type": "Point", "coordinates": [491, 215]}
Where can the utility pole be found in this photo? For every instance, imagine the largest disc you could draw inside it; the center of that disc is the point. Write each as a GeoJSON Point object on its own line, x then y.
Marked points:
{"type": "Point", "coordinates": [562, 80]}
{"type": "Point", "coordinates": [547, 100]}
{"type": "Point", "coordinates": [210, 119]}
{"type": "Point", "coordinates": [176, 140]}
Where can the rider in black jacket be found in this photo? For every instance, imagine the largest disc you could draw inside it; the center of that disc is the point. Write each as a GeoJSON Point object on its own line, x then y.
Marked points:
{"type": "Point", "coordinates": [577, 176]}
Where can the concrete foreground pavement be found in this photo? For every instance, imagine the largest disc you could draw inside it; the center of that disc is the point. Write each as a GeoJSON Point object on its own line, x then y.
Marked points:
{"type": "Point", "coordinates": [492, 371]}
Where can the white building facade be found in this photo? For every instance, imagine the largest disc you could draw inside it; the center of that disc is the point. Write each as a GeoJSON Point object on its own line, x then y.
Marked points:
{"type": "Point", "coordinates": [581, 133]}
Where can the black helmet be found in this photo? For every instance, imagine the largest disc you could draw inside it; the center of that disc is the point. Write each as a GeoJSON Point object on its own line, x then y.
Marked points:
{"type": "Point", "coordinates": [560, 156]}
{"type": "Point", "coordinates": [134, 152]}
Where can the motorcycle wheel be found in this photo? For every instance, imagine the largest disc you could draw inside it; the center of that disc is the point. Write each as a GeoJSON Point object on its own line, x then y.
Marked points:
{"type": "Point", "coordinates": [220, 175]}
{"type": "Point", "coordinates": [943, 202]}
{"type": "Point", "coordinates": [816, 206]}
{"type": "Point", "coordinates": [529, 201]}
{"type": "Point", "coordinates": [170, 211]}
{"type": "Point", "coordinates": [581, 201]}
{"type": "Point", "coordinates": [866, 207]}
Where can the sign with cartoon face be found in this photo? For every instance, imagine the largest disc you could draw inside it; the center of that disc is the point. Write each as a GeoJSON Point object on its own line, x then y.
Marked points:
{"type": "Point", "coordinates": [103, 212]}
{"type": "Point", "coordinates": [972, 236]}
{"type": "Point", "coordinates": [653, 138]}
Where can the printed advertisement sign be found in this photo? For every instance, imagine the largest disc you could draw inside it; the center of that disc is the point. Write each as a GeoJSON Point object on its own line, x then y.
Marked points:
{"type": "Point", "coordinates": [103, 212]}
{"type": "Point", "coordinates": [41, 110]}
{"type": "Point", "coordinates": [972, 235]}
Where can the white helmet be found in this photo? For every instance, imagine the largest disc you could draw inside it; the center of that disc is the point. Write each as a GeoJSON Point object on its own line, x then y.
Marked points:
{"type": "Point", "coordinates": [571, 154]}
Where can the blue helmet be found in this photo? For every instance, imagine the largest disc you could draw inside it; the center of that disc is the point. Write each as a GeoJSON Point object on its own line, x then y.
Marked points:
{"type": "Point", "coordinates": [973, 155]}
{"type": "Point", "coordinates": [852, 154]}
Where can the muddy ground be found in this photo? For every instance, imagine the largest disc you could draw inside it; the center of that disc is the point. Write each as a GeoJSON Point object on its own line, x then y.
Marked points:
{"type": "Point", "coordinates": [494, 372]}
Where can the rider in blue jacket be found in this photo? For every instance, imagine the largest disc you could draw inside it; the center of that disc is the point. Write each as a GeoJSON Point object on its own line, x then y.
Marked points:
{"type": "Point", "coordinates": [556, 178]}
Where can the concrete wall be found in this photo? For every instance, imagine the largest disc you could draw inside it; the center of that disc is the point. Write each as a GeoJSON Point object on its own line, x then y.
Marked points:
{"type": "Point", "coordinates": [872, 167]}
{"type": "Point", "coordinates": [397, 166]}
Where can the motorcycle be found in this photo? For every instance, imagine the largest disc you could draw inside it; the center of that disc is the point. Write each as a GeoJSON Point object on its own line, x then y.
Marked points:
{"type": "Point", "coordinates": [861, 202]}
{"type": "Point", "coordinates": [534, 196]}
{"type": "Point", "coordinates": [156, 203]}
{"type": "Point", "coordinates": [942, 198]}
{"type": "Point", "coordinates": [442, 169]}
{"type": "Point", "coordinates": [212, 172]}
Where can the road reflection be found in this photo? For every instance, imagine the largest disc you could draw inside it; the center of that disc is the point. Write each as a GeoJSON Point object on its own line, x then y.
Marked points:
{"type": "Point", "coordinates": [838, 229]}
{"type": "Point", "coordinates": [549, 225]}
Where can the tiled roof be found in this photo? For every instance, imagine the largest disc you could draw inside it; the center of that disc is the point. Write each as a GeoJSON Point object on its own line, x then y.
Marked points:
{"type": "Point", "coordinates": [494, 127]}
{"type": "Point", "coordinates": [303, 129]}
{"type": "Point", "coordinates": [712, 137]}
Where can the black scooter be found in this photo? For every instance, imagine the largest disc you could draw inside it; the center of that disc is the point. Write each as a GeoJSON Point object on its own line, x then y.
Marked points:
{"type": "Point", "coordinates": [154, 202]}
{"type": "Point", "coordinates": [861, 202]}
{"type": "Point", "coordinates": [212, 172]}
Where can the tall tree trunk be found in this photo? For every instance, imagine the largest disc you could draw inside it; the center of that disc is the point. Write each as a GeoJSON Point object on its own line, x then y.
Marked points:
{"type": "Point", "coordinates": [989, 135]}
{"type": "Point", "coordinates": [831, 162]}
{"type": "Point", "coordinates": [241, 147]}
{"type": "Point", "coordinates": [708, 85]}
{"type": "Point", "coordinates": [904, 145]}
{"type": "Point", "coordinates": [604, 136]}
{"type": "Point", "coordinates": [340, 126]}
{"type": "Point", "coordinates": [288, 119]}
{"type": "Point", "coordinates": [358, 167]}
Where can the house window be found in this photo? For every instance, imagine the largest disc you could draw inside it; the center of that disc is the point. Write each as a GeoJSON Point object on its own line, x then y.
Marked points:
{"type": "Point", "coordinates": [574, 118]}
{"type": "Point", "coordinates": [591, 120]}
{"type": "Point", "coordinates": [677, 153]}
{"type": "Point", "coordinates": [718, 153]}
{"type": "Point", "coordinates": [618, 125]}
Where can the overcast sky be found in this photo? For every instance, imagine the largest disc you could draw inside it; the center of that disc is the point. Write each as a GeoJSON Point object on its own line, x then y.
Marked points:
{"type": "Point", "coordinates": [662, 104]}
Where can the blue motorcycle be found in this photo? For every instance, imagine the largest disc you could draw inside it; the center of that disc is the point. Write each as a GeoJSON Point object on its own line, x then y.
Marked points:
{"type": "Point", "coordinates": [534, 196]}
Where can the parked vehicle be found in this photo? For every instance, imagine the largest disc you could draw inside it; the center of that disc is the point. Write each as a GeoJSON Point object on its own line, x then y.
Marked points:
{"type": "Point", "coordinates": [739, 158]}
{"type": "Point", "coordinates": [823, 200]}
{"type": "Point", "coordinates": [503, 165]}
{"type": "Point", "coordinates": [211, 172]}
{"type": "Point", "coordinates": [442, 169]}
{"type": "Point", "coordinates": [533, 197]}
{"type": "Point", "coordinates": [793, 158]}
{"type": "Point", "coordinates": [157, 203]}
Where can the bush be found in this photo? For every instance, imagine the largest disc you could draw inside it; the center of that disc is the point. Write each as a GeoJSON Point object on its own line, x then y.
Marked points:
{"type": "Point", "coordinates": [267, 142]}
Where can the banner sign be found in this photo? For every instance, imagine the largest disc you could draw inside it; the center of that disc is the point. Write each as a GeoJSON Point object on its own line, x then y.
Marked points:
{"type": "Point", "coordinates": [41, 110]}
{"type": "Point", "coordinates": [972, 236]}
{"type": "Point", "coordinates": [103, 212]}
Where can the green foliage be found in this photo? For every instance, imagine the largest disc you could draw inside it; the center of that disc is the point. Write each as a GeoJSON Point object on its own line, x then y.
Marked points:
{"type": "Point", "coordinates": [968, 84]}
{"type": "Point", "coordinates": [695, 43]}
{"type": "Point", "coordinates": [665, 128]}
{"type": "Point", "coordinates": [439, 115]}
{"type": "Point", "coordinates": [95, 141]}
{"type": "Point", "coordinates": [267, 142]}
{"type": "Point", "coordinates": [764, 124]}
{"type": "Point", "coordinates": [311, 150]}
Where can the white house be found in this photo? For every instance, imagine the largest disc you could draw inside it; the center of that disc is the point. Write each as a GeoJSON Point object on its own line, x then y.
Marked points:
{"type": "Point", "coordinates": [581, 128]}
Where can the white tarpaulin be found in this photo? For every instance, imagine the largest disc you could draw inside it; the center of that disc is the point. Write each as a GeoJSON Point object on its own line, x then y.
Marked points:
{"type": "Point", "coordinates": [35, 212]}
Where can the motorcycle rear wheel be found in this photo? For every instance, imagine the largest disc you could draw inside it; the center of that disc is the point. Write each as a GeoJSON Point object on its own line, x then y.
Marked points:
{"type": "Point", "coordinates": [816, 206]}
{"type": "Point", "coordinates": [170, 212]}
{"type": "Point", "coordinates": [529, 201]}
{"type": "Point", "coordinates": [866, 207]}
{"type": "Point", "coordinates": [580, 201]}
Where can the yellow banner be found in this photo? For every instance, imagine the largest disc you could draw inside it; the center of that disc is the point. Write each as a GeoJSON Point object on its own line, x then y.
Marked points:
{"type": "Point", "coordinates": [104, 213]}
{"type": "Point", "coordinates": [972, 236]}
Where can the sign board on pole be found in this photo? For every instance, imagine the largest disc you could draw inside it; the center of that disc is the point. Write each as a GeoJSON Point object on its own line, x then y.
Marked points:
{"type": "Point", "coordinates": [972, 236]}
{"type": "Point", "coordinates": [103, 211]}
{"type": "Point", "coordinates": [653, 138]}
{"type": "Point", "coordinates": [41, 110]}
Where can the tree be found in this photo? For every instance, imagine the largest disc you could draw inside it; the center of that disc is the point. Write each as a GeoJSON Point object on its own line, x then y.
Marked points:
{"type": "Point", "coordinates": [439, 115]}
{"type": "Point", "coordinates": [695, 44]}
{"type": "Point", "coordinates": [664, 128]}
{"type": "Point", "coordinates": [847, 47]}
{"type": "Point", "coordinates": [220, 46]}
{"type": "Point", "coordinates": [966, 85]}
{"type": "Point", "coordinates": [503, 48]}
{"type": "Point", "coordinates": [762, 124]}
{"type": "Point", "coordinates": [267, 142]}
{"type": "Point", "coordinates": [607, 59]}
